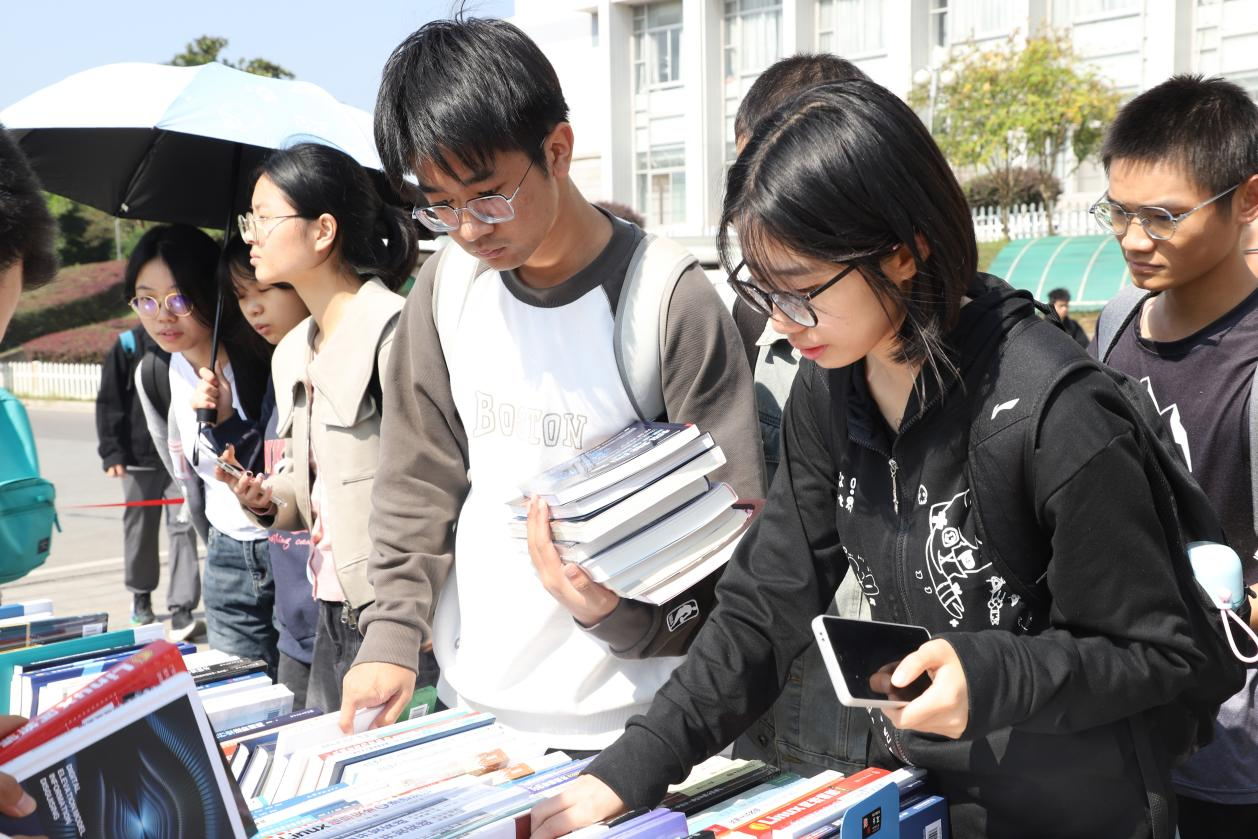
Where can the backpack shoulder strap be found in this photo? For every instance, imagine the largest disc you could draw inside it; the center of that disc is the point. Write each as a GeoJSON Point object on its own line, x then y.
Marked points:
{"type": "Point", "coordinates": [1114, 318]}
{"type": "Point", "coordinates": [1006, 411]}
{"type": "Point", "coordinates": [155, 377]}
{"type": "Point", "coordinates": [127, 339]}
{"type": "Point", "coordinates": [13, 417]}
{"type": "Point", "coordinates": [451, 287]}
{"type": "Point", "coordinates": [641, 317]}
{"type": "Point", "coordinates": [1253, 435]}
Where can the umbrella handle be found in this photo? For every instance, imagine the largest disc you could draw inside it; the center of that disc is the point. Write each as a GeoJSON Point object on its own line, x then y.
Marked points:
{"type": "Point", "coordinates": [207, 416]}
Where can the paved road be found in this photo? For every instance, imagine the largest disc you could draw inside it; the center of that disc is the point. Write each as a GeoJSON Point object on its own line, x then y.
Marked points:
{"type": "Point", "coordinates": [84, 571]}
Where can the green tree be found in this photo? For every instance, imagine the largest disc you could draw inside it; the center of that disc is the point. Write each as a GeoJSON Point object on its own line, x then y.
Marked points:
{"type": "Point", "coordinates": [1000, 108]}
{"type": "Point", "coordinates": [207, 48]}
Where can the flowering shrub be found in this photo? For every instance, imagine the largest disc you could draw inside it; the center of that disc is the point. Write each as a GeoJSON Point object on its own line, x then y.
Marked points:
{"type": "Point", "coordinates": [84, 344]}
{"type": "Point", "coordinates": [80, 294]}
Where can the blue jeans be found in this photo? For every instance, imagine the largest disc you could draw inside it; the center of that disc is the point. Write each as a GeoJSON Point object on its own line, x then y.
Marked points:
{"type": "Point", "coordinates": [239, 599]}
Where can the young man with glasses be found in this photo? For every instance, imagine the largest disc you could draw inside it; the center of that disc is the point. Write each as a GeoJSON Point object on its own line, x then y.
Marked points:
{"type": "Point", "coordinates": [522, 376]}
{"type": "Point", "coordinates": [1182, 160]}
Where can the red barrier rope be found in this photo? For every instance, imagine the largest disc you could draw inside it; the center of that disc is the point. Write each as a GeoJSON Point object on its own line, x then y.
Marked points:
{"type": "Point", "coordinates": [158, 502]}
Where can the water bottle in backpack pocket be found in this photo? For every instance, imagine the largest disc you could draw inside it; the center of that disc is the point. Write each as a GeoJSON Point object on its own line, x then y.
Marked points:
{"type": "Point", "coordinates": [27, 502]}
{"type": "Point", "coordinates": [1217, 570]}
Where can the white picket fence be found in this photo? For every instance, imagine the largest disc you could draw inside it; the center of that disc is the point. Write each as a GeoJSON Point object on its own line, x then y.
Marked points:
{"type": "Point", "coordinates": [1028, 221]}
{"type": "Point", "coordinates": [46, 380]}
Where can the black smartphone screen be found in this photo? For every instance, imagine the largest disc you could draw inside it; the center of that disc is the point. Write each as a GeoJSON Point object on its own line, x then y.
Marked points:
{"type": "Point", "coordinates": [863, 648]}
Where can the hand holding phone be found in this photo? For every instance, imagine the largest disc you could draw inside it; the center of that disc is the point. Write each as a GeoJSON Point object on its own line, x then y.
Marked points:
{"type": "Point", "coordinates": [233, 469]}
{"type": "Point", "coordinates": [861, 656]}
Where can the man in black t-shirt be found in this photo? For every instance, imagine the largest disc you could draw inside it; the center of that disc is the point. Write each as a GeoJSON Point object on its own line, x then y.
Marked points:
{"type": "Point", "coordinates": [1059, 299]}
{"type": "Point", "coordinates": [1182, 160]}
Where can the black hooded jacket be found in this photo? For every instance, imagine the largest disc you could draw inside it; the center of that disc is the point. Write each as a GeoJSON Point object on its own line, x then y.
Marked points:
{"type": "Point", "coordinates": [1047, 750]}
{"type": "Point", "coordinates": [121, 430]}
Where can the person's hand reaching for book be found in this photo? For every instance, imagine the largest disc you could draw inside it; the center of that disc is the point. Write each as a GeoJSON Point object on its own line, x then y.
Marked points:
{"type": "Point", "coordinates": [568, 583]}
{"type": "Point", "coordinates": [583, 802]}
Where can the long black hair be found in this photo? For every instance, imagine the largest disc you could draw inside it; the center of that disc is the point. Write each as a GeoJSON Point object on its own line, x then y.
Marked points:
{"type": "Point", "coordinates": [845, 172]}
{"type": "Point", "coordinates": [192, 257]}
{"type": "Point", "coordinates": [373, 237]}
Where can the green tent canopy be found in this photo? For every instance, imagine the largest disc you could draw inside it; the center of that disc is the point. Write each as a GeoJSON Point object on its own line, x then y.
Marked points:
{"type": "Point", "coordinates": [1091, 268]}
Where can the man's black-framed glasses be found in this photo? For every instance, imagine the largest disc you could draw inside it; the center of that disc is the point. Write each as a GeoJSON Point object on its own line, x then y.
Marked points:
{"type": "Point", "coordinates": [491, 209]}
{"type": "Point", "coordinates": [797, 307]}
{"type": "Point", "coordinates": [1158, 222]}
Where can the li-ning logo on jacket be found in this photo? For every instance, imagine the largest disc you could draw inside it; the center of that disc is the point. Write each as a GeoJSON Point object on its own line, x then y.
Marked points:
{"type": "Point", "coordinates": [684, 613]}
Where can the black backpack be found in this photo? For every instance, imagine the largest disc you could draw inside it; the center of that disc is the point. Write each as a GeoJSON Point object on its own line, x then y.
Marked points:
{"type": "Point", "coordinates": [154, 365]}
{"type": "Point", "coordinates": [1005, 421]}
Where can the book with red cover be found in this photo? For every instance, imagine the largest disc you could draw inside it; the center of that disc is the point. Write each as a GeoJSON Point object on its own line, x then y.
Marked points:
{"type": "Point", "coordinates": [777, 822]}
{"type": "Point", "coordinates": [146, 669]}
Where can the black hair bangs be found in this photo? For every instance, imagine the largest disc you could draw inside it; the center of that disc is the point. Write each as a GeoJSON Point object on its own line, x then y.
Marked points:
{"type": "Point", "coordinates": [465, 90]}
{"type": "Point", "coordinates": [1207, 126]}
{"type": "Point", "coordinates": [846, 173]}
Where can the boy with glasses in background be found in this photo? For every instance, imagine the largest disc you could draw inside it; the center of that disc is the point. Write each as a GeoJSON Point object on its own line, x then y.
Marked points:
{"type": "Point", "coordinates": [521, 376]}
{"type": "Point", "coordinates": [1182, 160]}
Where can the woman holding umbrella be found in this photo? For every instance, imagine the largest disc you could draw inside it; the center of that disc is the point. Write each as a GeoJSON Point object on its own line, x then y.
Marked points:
{"type": "Point", "coordinates": [318, 225]}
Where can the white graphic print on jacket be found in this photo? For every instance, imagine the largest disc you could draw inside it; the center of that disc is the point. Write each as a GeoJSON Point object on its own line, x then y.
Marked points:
{"type": "Point", "coordinates": [864, 576]}
{"type": "Point", "coordinates": [951, 558]}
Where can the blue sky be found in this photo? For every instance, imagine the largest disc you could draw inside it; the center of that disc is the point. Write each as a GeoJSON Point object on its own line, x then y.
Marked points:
{"type": "Point", "coordinates": [340, 45]}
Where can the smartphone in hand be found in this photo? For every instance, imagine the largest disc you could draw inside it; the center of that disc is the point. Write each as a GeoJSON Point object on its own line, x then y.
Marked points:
{"type": "Point", "coordinates": [861, 656]}
{"type": "Point", "coordinates": [236, 472]}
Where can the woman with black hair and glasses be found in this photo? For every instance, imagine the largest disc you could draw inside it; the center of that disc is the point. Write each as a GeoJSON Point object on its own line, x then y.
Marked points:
{"type": "Point", "coordinates": [318, 225]}
{"type": "Point", "coordinates": [858, 243]}
{"type": "Point", "coordinates": [170, 278]}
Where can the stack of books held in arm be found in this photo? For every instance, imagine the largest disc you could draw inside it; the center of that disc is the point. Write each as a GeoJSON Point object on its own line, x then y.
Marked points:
{"type": "Point", "coordinates": [638, 511]}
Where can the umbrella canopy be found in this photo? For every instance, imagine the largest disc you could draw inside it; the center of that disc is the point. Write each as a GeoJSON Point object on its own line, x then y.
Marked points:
{"type": "Point", "coordinates": [176, 144]}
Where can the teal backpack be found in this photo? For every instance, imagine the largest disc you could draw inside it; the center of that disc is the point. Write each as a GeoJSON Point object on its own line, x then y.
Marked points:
{"type": "Point", "coordinates": [27, 510]}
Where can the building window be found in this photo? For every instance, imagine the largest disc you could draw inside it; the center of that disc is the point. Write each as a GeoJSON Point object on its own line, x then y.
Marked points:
{"type": "Point", "coordinates": [751, 41]}
{"type": "Point", "coordinates": [939, 23]}
{"type": "Point", "coordinates": [661, 184]}
{"type": "Point", "coordinates": [849, 27]}
{"type": "Point", "coordinates": [992, 17]}
{"type": "Point", "coordinates": [1091, 8]}
{"type": "Point", "coordinates": [657, 45]}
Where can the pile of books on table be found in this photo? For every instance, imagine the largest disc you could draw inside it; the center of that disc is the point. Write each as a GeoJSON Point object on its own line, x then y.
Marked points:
{"type": "Point", "coordinates": [166, 742]}
{"type": "Point", "coordinates": [639, 513]}
{"type": "Point", "coordinates": [130, 754]}
{"type": "Point", "coordinates": [32, 622]}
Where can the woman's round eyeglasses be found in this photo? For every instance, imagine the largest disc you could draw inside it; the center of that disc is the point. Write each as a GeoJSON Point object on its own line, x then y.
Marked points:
{"type": "Point", "coordinates": [149, 307]}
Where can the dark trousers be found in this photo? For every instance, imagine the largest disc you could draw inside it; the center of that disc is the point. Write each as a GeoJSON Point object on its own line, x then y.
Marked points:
{"type": "Point", "coordinates": [140, 529]}
{"type": "Point", "coordinates": [240, 599]}
{"type": "Point", "coordinates": [294, 675]}
{"type": "Point", "coordinates": [337, 641]}
{"type": "Point", "coordinates": [1206, 820]}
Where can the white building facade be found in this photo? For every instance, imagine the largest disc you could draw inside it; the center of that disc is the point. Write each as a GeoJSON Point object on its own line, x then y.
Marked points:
{"type": "Point", "coordinates": [653, 86]}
